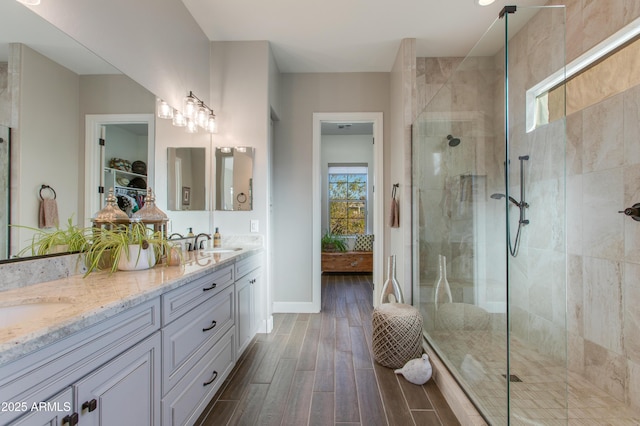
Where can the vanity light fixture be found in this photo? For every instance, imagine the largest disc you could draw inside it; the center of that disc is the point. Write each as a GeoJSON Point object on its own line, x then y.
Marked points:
{"type": "Point", "coordinates": [195, 113]}
{"type": "Point", "coordinates": [164, 109]}
{"type": "Point", "coordinates": [241, 148]}
{"type": "Point", "coordinates": [225, 149]}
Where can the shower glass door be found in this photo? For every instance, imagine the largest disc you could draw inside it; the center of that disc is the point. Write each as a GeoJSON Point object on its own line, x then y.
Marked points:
{"type": "Point", "coordinates": [5, 161]}
{"type": "Point", "coordinates": [488, 214]}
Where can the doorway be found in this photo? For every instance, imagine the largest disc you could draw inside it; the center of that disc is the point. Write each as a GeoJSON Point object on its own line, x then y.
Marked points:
{"type": "Point", "coordinates": [134, 139]}
{"type": "Point", "coordinates": [375, 209]}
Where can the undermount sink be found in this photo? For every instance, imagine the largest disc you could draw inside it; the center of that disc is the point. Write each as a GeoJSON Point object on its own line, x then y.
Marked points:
{"type": "Point", "coordinates": [222, 250]}
{"type": "Point", "coordinates": [12, 315]}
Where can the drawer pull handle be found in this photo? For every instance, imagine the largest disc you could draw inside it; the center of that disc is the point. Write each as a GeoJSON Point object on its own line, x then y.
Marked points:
{"type": "Point", "coordinates": [215, 376]}
{"type": "Point", "coordinates": [210, 288]}
{"type": "Point", "coordinates": [90, 405]}
{"type": "Point", "coordinates": [70, 420]}
{"type": "Point", "coordinates": [213, 324]}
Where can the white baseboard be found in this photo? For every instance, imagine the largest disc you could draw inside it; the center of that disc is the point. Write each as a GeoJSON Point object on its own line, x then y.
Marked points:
{"type": "Point", "coordinates": [295, 308]}
{"type": "Point", "coordinates": [266, 326]}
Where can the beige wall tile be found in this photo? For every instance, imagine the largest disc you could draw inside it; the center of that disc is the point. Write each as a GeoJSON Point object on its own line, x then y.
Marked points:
{"type": "Point", "coordinates": [575, 296]}
{"type": "Point", "coordinates": [602, 303]}
{"type": "Point", "coordinates": [602, 135]}
{"type": "Point", "coordinates": [633, 385]}
{"type": "Point", "coordinates": [600, 19]}
{"type": "Point", "coordinates": [632, 312]}
{"type": "Point", "coordinates": [631, 227]}
{"type": "Point", "coordinates": [632, 125]}
{"type": "Point", "coordinates": [602, 224]}
{"type": "Point", "coordinates": [606, 369]}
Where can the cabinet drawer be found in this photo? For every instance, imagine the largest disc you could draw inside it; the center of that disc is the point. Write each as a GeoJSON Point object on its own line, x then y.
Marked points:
{"type": "Point", "coordinates": [244, 266]}
{"type": "Point", "coordinates": [186, 401]}
{"type": "Point", "coordinates": [183, 299]}
{"type": "Point", "coordinates": [194, 333]}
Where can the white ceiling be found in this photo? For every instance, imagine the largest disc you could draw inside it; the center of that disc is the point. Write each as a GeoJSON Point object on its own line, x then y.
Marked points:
{"type": "Point", "coordinates": [349, 35]}
{"type": "Point", "coordinates": [305, 35]}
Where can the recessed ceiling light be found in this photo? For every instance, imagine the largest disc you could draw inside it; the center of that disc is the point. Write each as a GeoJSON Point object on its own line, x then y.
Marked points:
{"type": "Point", "coordinates": [484, 2]}
{"type": "Point", "coordinates": [30, 2]}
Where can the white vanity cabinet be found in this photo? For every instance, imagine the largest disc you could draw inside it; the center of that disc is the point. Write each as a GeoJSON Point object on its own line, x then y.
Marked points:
{"type": "Point", "coordinates": [198, 338]}
{"type": "Point", "coordinates": [57, 411]}
{"type": "Point", "coordinates": [106, 362]}
{"type": "Point", "coordinates": [248, 276]}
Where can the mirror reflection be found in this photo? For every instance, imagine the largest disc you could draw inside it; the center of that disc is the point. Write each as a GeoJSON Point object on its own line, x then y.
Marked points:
{"type": "Point", "coordinates": [234, 179]}
{"type": "Point", "coordinates": [186, 177]}
{"type": "Point", "coordinates": [49, 83]}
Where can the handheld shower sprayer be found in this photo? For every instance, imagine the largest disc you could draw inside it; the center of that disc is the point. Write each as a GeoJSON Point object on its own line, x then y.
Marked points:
{"type": "Point", "coordinates": [522, 206]}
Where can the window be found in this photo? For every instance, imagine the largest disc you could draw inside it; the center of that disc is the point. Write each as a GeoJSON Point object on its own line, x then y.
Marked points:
{"type": "Point", "coordinates": [610, 63]}
{"type": "Point", "coordinates": [348, 199]}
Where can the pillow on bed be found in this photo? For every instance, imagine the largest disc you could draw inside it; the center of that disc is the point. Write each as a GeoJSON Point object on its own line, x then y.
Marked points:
{"type": "Point", "coordinates": [364, 243]}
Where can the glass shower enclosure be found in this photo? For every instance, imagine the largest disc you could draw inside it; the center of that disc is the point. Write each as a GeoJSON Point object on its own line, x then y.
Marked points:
{"type": "Point", "coordinates": [489, 226]}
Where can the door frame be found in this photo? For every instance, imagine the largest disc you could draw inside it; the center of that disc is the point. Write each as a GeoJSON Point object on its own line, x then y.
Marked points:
{"type": "Point", "coordinates": [93, 125]}
{"type": "Point", "coordinates": [378, 196]}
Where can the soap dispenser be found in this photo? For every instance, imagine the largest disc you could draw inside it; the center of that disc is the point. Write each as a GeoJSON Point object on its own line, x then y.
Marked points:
{"type": "Point", "coordinates": [217, 239]}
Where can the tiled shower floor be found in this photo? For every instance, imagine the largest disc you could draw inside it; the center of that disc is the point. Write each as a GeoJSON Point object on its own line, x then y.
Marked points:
{"type": "Point", "coordinates": [539, 398]}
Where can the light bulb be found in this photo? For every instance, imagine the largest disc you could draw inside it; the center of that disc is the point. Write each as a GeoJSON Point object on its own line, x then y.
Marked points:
{"type": "Point", "coordinates": [164, 110]}
{"type": "Point", "coordinates": [202, 116]}
{"type": "Point", "coordinates": [189, 107]}
{"type": "Point", "coordinates": [212, 125]}
{"type": "Point", "coordinates": [179, 119]}
{"type": "Point", "coordinates": [192, 126]}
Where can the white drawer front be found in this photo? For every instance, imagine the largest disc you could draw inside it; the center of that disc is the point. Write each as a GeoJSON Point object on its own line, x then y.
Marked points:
{"type": "Point", "coordinates": [186, 401]}
{"type": "Point", "coordinates": [244, 266]}
{"type": "Point", "coordinates": [181, 300]}
{"type": "Point", "coordinates": [194, 333]}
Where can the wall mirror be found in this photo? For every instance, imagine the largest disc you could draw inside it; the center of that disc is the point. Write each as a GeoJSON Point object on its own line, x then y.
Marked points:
{"type": "Point", "coordinates": [186, 178]}
{"type": "Point", "coordinates": [48, 84]}
{"type": "Point", "coordinates": [234, 179]}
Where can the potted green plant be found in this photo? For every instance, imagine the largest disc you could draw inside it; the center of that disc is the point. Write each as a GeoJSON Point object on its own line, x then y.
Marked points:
{"type": "Point", "coordinates": [59, 240]}
{"type": "Point", "coordinates": [333, 242]}
{"type": "Point", "coordinates": [125, 247]}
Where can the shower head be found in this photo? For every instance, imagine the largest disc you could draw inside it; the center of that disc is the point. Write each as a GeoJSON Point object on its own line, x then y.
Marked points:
{"type": "Point", "coordinates": [498, 196]}
{"type": "Point", "coordinates": [453, 141]}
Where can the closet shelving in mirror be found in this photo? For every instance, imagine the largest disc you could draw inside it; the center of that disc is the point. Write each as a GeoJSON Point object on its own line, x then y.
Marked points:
{"type": "Point", "coordinates": [113, 179]}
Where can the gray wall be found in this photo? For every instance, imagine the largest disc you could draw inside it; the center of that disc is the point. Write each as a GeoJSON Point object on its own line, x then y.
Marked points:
{"type": "Point", "coordinates": [300, 96]}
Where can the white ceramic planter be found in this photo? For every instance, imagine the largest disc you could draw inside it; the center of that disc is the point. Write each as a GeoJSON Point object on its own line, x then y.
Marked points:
{"type": "Point", "coordinates": [138, 259]}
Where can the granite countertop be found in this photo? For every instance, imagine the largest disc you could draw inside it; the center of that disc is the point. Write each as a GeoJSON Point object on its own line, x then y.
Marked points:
{"type": "Point", "coordinates": [74, 302]}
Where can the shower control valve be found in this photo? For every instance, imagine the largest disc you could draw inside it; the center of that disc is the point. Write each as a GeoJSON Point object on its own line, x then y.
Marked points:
{"type": "Point", "coordinates": [634, 212]}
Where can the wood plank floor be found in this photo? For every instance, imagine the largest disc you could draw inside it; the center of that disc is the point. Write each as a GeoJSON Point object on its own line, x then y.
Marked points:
{"type": "Point", "coordinates": [318, 369]}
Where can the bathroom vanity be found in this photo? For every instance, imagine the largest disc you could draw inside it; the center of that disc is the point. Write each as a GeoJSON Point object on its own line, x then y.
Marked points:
{"type": "Point", "coordinates": [131, 348]}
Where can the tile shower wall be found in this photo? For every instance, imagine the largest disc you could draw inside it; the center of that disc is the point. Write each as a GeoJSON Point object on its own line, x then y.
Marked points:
{"type": "Point", "coordinates": [603, 176]}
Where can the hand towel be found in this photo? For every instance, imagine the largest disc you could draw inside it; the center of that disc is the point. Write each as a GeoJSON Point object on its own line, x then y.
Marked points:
{"type": "Point", "coordinates": [394, 214]}
{"type": "Point", "coordinates": [48, 213]}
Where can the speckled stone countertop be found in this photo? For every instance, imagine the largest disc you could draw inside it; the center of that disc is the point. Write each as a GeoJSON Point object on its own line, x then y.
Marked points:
{"type": "Point", "coordinates": [76, 302]}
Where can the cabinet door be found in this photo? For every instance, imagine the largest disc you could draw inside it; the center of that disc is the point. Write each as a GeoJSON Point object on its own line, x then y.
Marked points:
{"type": "Point", "coordinates": [246, 319]}
{"type": "Point", "coordinates": [54, 412]}
{"type": "Point", "coordinates": [125, 391]}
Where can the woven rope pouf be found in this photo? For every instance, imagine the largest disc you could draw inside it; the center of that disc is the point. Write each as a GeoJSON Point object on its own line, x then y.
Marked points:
{"type": "Point", "coordinates": [397, 334]}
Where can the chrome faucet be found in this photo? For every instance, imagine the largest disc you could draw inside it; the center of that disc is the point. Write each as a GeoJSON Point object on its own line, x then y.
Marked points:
{"type": "Point", "coordinates": [197, 246]}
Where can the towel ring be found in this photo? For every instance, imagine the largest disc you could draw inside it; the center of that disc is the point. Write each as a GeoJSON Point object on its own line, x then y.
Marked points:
{"type": "Point", "coordinates": [242, 197]}
{"type": "Point", "coordinates": [43, 187]}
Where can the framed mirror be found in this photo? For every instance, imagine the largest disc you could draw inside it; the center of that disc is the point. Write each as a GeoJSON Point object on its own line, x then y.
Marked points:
{"type": "Point", "coordinates": [49, 83]}
{"type": "Point", "coordinates": [186, 178]}
{"type": "Point", "coordinates": [234, 179]}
